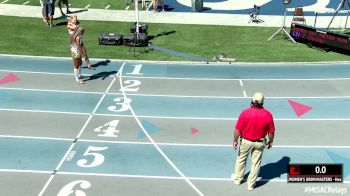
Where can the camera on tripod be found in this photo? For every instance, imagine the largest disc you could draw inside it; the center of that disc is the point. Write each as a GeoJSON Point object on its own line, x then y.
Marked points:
{"type": "Point", "coordinates": [137, 38]}
{"type": "Point", "coordinates": [254, 16]}
{"type": "Point", "coordinates": [143, 28]}
{"type": "Point", "coordinates": [255, 13]}
{"type": "Point", "coordinates": [256, 7]}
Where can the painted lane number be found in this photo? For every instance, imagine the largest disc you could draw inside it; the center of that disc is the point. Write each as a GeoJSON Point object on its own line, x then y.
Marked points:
{"type": "Point", "coordinates": [108, 129]}
{"type": "Point", "coordinates": [137, 69]}
{"type": "Point", "coordinates": [70, 190]}
{"type": "Point", "coordinates": [124, 104]}
{"type": "Point", "coordinates": [98, 159]}
{"type": "Point", "coordinates": [131, 86]}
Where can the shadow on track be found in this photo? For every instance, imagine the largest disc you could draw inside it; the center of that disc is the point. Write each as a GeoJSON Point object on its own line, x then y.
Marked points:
{"type": "Point", "coordinates": [271, 171]}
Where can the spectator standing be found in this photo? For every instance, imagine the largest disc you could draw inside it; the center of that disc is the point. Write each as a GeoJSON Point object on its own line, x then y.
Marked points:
{"type": "Point", "coordinates": [252, 126]}
{"type": "Point", "coordinates": [48, 6]}
{"type": "Point", "coordinates": [66, 3]}
{"type": "Point", "coordinates": [155, 5]}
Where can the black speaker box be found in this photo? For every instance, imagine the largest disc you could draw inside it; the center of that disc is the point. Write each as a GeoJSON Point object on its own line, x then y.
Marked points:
{"type": "Point", "coordinates": [133, 40]}
{"type": "Point", "coordinates": [110, 39]}
{"type": "Point", "coordinates": [143, 28]}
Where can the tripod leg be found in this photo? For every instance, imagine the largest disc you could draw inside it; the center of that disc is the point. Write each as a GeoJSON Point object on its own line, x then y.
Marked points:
{"type": "Point", "coordinates": [279, 30]}
{"type": "Point", "coordinates": [332, 19]}
{"type": "Point", "coordinates": [336, 12]}
{"type": "Point", "coordinates": [290, 37]}
{"type": "Point", "coordinates": [135, 40]}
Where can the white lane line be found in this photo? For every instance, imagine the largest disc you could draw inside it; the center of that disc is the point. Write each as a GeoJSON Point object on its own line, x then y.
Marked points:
{"type": "Point", "coordinates": [121, 175]}
{"type": "Point", "coordinates": [202, 145]}
{"type": "Point", "coordinates": [161, 143]}
{"type": "Point", "coordinates": [230, 97]}
{"type": "Point", "coordinates": [25, 171]}
{"type": "Point", "coordinates": [139, 176]}
{"type": "Point", "coordinates": [4, 1]}
{"type": "Point", "coordinates": [43, 111]}
{"type": "Point", "coordinates": [238, 97]}
{"type": "Point", "coordinates": [270, 64]}
{"type": "Point", "coordinates": [244, 92]}
{"type": "Point", "coordinates": [295, 79]}
{"type": "Point", "coordinates": [159, 177]}
{"type": "Point", "coordinates": [235, 79]}
{"type": "Point", "coordinates": [37, 72]}
{"type": "Point", "coordinates": [44, 73]}
{"type": "Point", "coordinates": [55, 58]}
{"type": "Point", "coordinates": [151, 139]}
{"type": "Point", "coordinates": [176, 96]}
{"type": "Point", "coordinates": [169, 117]}
{"type": "Point", "coordinates": [25, 3]}
{"type": "Point", "coordinates": [78, 136]}
{"type": "Point", "coordinates": [230, 145]}
{"type": "Point", "coordinates": [195, 79]}
{"type": "Point", "coordinates": [37, 138]}
{"type": "Point", "coordinates": [107, 7]}
{"type": "Point", "coordinates": [56, 91]}
{"type": "Point", "coordinates": [86, 7]}
{"type": "Point", "coordinates": [132, 176]}
{"type": "Point", "coordinates": [228, 119]}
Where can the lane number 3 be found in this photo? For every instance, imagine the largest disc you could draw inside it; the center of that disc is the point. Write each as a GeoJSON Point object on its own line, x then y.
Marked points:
{"type": "Point", "coordinates": [124, 104]}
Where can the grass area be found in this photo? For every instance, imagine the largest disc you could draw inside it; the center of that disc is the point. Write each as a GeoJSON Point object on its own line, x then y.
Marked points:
{"type": "Point", "coordinates": [30, 36]}
{"type": "Point", "coordinates": [101, 4]}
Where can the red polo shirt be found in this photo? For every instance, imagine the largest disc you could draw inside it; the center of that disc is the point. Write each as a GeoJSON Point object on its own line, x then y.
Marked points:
{"type": "Point", "coordinates": [254, 123]}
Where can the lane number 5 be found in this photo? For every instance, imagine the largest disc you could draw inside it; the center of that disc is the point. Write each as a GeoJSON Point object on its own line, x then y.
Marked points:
{"type": "Point", "coordinates": [98, 159]}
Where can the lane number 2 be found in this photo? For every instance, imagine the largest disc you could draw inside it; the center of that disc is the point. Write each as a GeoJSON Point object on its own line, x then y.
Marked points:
{"type": "Point", "coordinates": [132, 86]}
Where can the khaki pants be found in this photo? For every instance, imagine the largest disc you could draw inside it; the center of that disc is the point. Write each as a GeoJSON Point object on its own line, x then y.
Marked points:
{"type": "Point", "coordinates": [256, 149]}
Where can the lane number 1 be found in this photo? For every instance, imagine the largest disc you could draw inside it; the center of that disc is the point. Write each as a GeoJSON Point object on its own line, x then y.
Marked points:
{"type": "Point", "coordinates": [137, 69]}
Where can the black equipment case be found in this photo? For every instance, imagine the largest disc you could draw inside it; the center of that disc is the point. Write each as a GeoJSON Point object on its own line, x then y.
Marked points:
{"type": "Point", "coordinates": [131, 40]}
{"type": "Point", "coordinates": [143, 28]}
{"type": "Point", "coordinates": [110, 39]}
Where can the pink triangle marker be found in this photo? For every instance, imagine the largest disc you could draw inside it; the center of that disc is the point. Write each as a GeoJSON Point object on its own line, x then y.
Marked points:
{"type": "Point", "coordinates": [194, 131]}
{"type": "Point", "coordinates": [9, 78]}
{"type": "Point", "coordinates": [299, 108]}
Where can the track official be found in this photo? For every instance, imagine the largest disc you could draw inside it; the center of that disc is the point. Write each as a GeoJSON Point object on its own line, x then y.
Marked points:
{"type": "Point", "coordinates": [252, 126]}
